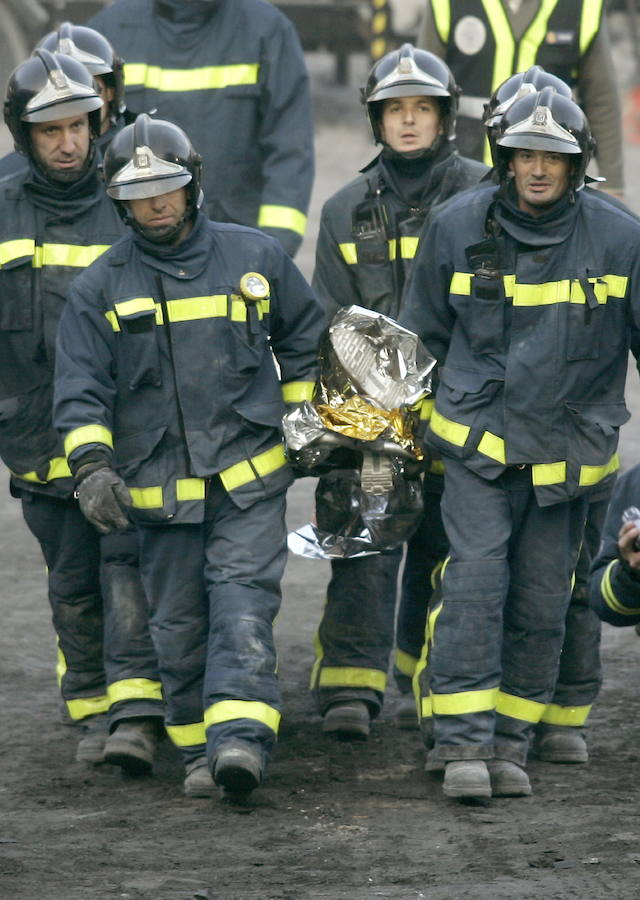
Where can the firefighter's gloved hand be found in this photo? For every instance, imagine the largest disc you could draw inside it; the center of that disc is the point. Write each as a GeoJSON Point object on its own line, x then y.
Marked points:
{"type": "Point", "coordinates": [103, 498]}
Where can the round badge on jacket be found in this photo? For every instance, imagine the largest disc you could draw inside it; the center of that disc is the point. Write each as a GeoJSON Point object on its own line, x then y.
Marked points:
{"type": "Point", "coordinates": [254, 286]}
{"type": "Point", "coordinates": [470, 35]}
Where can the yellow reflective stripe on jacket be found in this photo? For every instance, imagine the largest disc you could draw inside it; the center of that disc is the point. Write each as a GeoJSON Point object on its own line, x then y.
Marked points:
{"type": "Point", "coordinates": [519, 707]}
{"type": "Point", "coordinates": [272, 216]}
{"type": "Point", "coordinates": [188, 309]}
{"type": "Point", "coordinates": [493, 446]}
{"type": "Point", "coordinates": [187, 735]}
{"type": "Point", "coordinates": [574, 716]}
{"type": "Point", "coordinates": [352, 676]}
{"type": "Point", "coordinates": [464, 702]}
{"type": "Point", "coordinates": [568, 291]}
{"type": "Point", "coordinates": [451, 431]}
{"type": "Point", "coordinates": [134, 689]}
{"type": "Point", "coordinates": [87, 706]}
{"type": "Point", "coordinates": [192, 308]}
{"type": "Point", "coordinates": [228, 710]}
{"type": "Point", "coordinates": [349, 253]}
{"type": "Point", "coordinates": [147, 498]}
{"type": "Point", "coordinates": [543, 474]}
{"type": "Point", "coordinates": [67, 255]}
{"type": "Point", "coordinates": [405, 662]}
{"type": "Point", "coordinates": [534, 36]}
{"type": "Point", "coordinates": [590, 475]}
{"type": "Point", "coordinates": [297, 391]}
{"type": "Point", "coordinates": [257, 467]}
{"type": "Point", "coordinates": [201, 79]}
{"type": "Point", "coordinates": [426, 408]}
{"type": "Point", "coordinates": [190, 489]}
{"type": "Point", "coordinates": [58, 468]}
{"type": "Point", "coordinates": [10, 250]}
{"type": "Point", "coordinates": [408, 247]}
{"type": "Point", "coordinates": [87, 434]}
{"type": "Point", "coordinates": [194, 488]}
{"type": "Point", "coordinates": [606, 589]}
{"type": "Point", "coordinates": [589, 23]}
{"type": "Point", "coordinates": [133, 307]}
{"type": "Point", "coordinates": [550, 292]}
{"type": "Point", "coordinates": [51, 254]}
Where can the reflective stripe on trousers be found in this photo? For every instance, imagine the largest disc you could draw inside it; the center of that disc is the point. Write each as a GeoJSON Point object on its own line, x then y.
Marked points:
{"type": "Point", "coordinates": [497, 640]}
{"type": "Point", "coordinates": [214, 590]}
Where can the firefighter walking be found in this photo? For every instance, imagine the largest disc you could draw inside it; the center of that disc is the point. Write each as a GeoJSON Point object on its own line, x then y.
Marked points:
{"type": "Point", "coordinates": [166, 382]}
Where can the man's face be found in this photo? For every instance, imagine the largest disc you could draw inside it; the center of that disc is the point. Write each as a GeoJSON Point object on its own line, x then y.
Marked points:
{"type": "Point", "coordinates": [410, 123]}
{"type": "Point", "coordinates": [541, 177]}
{"type": "Point", "coordinates": [158, 216]}
{"type": "Point", "coordinates": [61, 146]}
{"type": "Point", "coordinates": [107, 95]}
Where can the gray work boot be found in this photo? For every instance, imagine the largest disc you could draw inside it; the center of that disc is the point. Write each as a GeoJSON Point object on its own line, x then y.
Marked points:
{"type": "Point", "coordinates": [508, 779]}
{"type": "Point", "coordinates": [348, 721]}
{"type": "Point", "coordinates": [560, 744]}
{"type": "Point", "coordinates": [237, 767]}
{"type": "Point", "coordinates": [467, 779]}
{"type": "Point", "coordinates": [198, 781]}
{"type": "Point", "coordinates": [406, 713]}
{"type": "Point", "coordinates": [91, 745]}
{"type": "Point", "coordinates": [132, 745]}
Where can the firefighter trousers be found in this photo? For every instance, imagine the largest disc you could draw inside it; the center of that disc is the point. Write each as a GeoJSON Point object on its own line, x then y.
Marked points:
{"type": "Point", "coordinates": [106, 660]}
{"type": "Point", "coordinates": [356, 634]}
{"type": "Point", "coordinates": [497, 635]}
{"type": "Point", "coordinates": [214, 591]}
{"type": "Point", "coordinates": [580, 673]}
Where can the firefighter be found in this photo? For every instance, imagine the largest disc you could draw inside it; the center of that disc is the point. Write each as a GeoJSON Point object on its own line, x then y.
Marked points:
{"type": "Point", "coordinates": [614, 585]}
{"type": "Point", "coordinates": [520, 286]}
{"type": "Point", "coordinates": [56, 219]}
{"type": "Point", "coordinates": [369, 232]}
{"type": "Point", "coordinates": [232, 74]}
{"type": "Point", "coordinates": [560, 735]}
{"type": "Point", "coordinates": [97, 56]}
{"type": "Point", "coordinates": [484, 44]}
{"type": "Point", "coordinates": [170, 402]}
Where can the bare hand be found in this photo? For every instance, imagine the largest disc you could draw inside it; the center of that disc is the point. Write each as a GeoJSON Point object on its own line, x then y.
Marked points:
{"type": "Point", "coordinates": [626, 538]}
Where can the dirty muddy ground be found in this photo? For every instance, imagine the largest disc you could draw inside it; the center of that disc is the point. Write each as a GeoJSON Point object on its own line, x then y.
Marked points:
{"type": "Point", "coordinates": [334, 820]}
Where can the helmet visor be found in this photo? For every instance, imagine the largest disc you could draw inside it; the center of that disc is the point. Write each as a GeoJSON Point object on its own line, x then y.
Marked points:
{"type": "Point", "coordinates": [90, 61]}
{"type": "Point", "coordinates": [540, 131]}
{"type": "Point", "coordinates": [60, 97]}
{"type": "Point", "coordinates": [147, 175]}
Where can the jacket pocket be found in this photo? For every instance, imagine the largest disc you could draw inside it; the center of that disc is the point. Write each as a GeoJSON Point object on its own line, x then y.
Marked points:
{"type": "Point", "coordinates": [139, 358]}
{"type": "Point", "coordinates": [594, 430]}
{"type": "Point", "coordinates": [465, 390]}
{"type": "Point", "coordinates": [16, 295]}
{"type": "Point", "coordinates": [262, 414]}
{"type": "Point", "coordinates": [484, 322]}
{"type": "Point", "coordinates": [586, 322]}
{"type": "Point", "coordinates": [132, 451]}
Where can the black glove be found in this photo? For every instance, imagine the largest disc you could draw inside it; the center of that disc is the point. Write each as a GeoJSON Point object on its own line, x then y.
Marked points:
{"type": "Point", "coordinates": [102, 495]}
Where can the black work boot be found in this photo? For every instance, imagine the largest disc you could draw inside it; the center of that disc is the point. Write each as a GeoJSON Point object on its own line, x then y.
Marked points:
{"type": "Point", "coordinates": [237, 767]}
{"type": "Point", "coordinates": [91, 745]}
{"type": "Point", "coordinates": [347, 720]}
{"type": "Point", "coordinates": [560, 744]}
{"type": "Point", "coordinates": [132, 745]}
